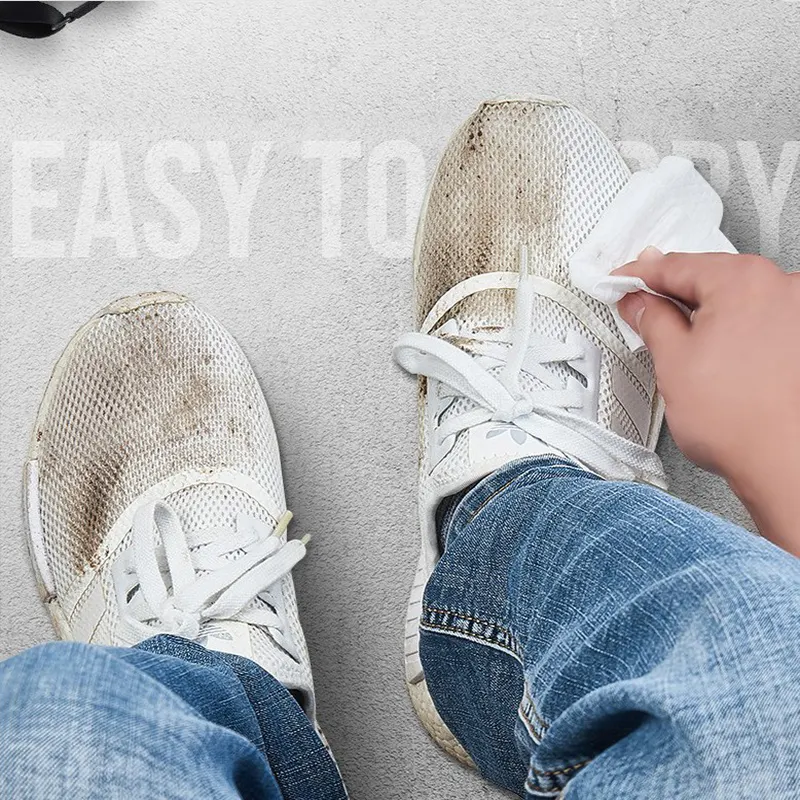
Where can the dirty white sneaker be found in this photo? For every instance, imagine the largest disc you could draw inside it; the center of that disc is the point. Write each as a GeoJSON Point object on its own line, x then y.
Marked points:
{"type": "Point", "coordinates": [514, 361]}
{"type": "Point", "coordinates": [154, 494]}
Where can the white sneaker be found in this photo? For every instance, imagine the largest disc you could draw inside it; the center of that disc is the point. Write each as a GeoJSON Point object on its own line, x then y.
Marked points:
{"type": "Point", "coordinates": [514, 361]}
{"type": "Point", "coordinates": [154, 493]}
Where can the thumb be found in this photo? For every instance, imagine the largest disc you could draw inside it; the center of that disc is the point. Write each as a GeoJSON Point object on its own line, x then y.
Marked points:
{"type": "Point", "coordinates": [661, 324]}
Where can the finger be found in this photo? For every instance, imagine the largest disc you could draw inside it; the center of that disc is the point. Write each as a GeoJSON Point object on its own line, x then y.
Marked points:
{"type": "Point", "coordinates": [689, 277]}
{"type": "Point", "coordinates": [661, 324]}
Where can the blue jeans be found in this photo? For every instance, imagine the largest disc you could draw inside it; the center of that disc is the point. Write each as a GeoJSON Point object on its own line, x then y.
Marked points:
{"type": "Point", "coordinates": [603, 637]}
{"type": "Point", "coordinates": [165, 719]}
{"type": "Point", "coordinates": [611, 639]}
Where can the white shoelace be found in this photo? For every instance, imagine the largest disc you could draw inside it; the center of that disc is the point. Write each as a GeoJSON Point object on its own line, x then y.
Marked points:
{"type": "Point", "coordinates": [547, 414]}
{"type": "Point", "coordinates": [215, 575]}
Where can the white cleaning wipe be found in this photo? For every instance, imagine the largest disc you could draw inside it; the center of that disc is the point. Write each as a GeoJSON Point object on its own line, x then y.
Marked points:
{"type": "Point", "coordinates": [670, 207]}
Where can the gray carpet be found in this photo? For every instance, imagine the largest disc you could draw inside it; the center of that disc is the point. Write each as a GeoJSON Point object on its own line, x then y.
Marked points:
{"type": "Point", "coordinates": [319, 327]}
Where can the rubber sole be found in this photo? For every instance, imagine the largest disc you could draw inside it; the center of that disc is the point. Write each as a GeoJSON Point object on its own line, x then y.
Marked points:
{"type": "Point", "coordinates": [423, 705]}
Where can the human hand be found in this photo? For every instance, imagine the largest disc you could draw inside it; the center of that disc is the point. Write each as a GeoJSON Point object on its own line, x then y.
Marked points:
{"type": "Point", "coordinates": [730, 377]}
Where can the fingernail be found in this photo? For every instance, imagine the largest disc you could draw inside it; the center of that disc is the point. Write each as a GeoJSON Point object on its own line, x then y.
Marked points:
{"type": "Point", "coordinates": [650, 254]}
{"type": "Point", "coordinates": [632, 308]}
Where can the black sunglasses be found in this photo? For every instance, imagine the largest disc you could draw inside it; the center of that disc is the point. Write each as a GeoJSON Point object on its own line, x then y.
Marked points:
{"type": "Point", "coordinates": [38, 20]}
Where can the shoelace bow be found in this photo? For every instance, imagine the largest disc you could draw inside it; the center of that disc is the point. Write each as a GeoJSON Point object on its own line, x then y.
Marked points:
{"type": "Point", "coordinates": [547, 414]}
{"type": "Point", "coordinates": [214, 575]}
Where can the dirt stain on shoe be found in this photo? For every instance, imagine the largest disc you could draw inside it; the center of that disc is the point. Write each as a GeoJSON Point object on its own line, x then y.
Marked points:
{"type": "Point", "coordinates": [499, 185]}
{"type": "Point", "coordinates": [147, 395]}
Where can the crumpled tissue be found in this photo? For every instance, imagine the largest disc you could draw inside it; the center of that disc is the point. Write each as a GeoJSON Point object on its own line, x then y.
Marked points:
{"type": "Point", "coordinates": [672, 208]}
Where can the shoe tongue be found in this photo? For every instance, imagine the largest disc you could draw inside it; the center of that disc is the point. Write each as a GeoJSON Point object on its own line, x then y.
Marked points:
{"type": "Point", "coordinates": [226, 637]}
{"type": "Point", "coordinates": [254, 643]}
{"type": "Point", "coordinates": [499, 441]}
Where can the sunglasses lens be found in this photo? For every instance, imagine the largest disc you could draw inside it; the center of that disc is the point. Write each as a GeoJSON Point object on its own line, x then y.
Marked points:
{"type": "Point", "coordinates": [37, 20]}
